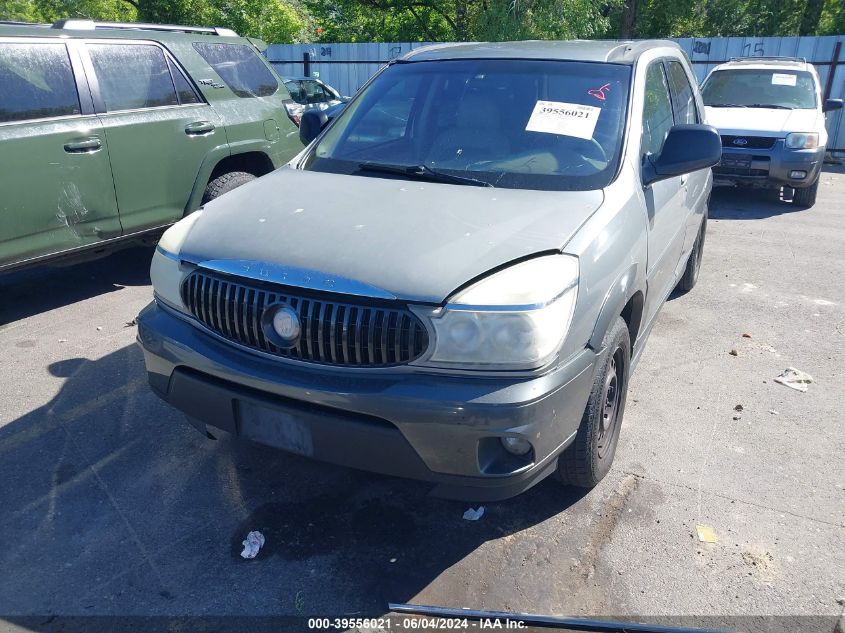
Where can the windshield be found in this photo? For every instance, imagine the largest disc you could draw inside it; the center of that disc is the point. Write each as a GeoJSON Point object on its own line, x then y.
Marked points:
{"type": "Point", "coordinates": [520, 124]}
{"type": "Point", "coordinates": [750, 88]}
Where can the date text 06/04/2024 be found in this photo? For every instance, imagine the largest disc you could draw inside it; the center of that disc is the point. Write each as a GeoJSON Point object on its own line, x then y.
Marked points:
{"type": "Point", "coordinates": [415, 624]}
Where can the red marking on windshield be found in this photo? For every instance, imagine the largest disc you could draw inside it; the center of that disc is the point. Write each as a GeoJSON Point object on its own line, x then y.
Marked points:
{"type": "Point", "coordinates": [599, 93]}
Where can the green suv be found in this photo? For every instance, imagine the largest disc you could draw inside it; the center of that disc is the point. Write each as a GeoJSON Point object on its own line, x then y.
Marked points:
{"type": "Point", "coordinates": [110, 132]}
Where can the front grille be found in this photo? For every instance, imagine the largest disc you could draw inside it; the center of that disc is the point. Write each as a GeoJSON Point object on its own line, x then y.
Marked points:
{"type": "Point", "coordinates": [344, 333]}
{"type": "Point", "coordinates": [751, 142]}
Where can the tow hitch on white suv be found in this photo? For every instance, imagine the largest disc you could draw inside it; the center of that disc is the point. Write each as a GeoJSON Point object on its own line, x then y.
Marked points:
{"type": "Point", "coordinates": [771, 117]}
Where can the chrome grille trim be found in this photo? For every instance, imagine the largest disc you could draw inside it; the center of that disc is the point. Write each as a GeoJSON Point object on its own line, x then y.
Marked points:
{"type": "Point", "coordinates": [345, 333]}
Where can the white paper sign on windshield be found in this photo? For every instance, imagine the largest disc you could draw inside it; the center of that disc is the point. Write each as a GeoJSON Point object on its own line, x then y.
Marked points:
{"type": "Point", "coordinates": [783, 79]}
{"type": "Point", "coordinates": [566, 119]}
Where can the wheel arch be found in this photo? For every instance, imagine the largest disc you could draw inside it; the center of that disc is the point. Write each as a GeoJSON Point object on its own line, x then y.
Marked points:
{"type": "Point", "coordinates": [622, 299]}
{"type": "Point", "coordinates": [222, 160]}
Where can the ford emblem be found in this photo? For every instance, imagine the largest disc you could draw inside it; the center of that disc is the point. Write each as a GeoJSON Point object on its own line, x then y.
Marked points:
{"type": "Point", "coordinates": [740, 141]}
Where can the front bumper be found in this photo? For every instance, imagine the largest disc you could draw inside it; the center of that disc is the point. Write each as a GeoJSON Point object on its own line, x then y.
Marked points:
{"type": "Point", "coordinates": [443, 428]}
{"type": "Point", "coordinates": [768, 167]}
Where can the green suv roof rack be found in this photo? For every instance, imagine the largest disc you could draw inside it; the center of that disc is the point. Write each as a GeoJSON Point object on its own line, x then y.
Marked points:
{"type": "Point", "coordinates": [89, 25]}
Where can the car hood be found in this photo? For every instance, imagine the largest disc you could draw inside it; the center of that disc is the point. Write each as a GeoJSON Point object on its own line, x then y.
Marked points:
{"type": "Point", "coordinates": [413, 240]}
{"type": "Point", "coordinates": [762, 121]}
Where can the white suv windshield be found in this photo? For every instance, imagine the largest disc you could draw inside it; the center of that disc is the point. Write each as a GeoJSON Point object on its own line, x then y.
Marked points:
{"type": "Point", "coordinates": [750, 88]}
{"type": "Point", "coordinates": [522, 124]}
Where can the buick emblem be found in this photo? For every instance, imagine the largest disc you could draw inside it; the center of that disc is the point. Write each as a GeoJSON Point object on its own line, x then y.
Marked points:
{"type": "Point", "coordinates": [740, 141]}
{"type": "Point", "coordinates": [286, 324]}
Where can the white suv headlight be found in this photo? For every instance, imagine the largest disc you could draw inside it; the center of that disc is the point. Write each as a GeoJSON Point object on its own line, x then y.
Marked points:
{"type": "Point", "coordinates": [166, 270]}
{"type": "Point", "coordinates": [516, 318]}
{"type": "Point", "coordinates": [802, 140]}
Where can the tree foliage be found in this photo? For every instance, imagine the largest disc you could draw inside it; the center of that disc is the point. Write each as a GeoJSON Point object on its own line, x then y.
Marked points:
{"type": "Point", "coordinates": [270, 20]}
{"type": "Point", "coordinates": [449, 20]}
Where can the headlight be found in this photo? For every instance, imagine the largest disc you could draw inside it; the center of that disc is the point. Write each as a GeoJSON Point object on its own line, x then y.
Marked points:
{"type": "Point", "coordinates": [516, 318]}
{"type": "Point", "coordinates": [173, 238]}
{"type": "Point", "coordinates": [166, 270]}
{"type": "Point", "coordinates": [802, 140]}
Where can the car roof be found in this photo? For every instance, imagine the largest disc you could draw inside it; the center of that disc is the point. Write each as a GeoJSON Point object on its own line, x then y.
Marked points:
{"type": "Point", "coordinates": [118, 30]}
{"type": "Point", "coordinates": [615, 51]}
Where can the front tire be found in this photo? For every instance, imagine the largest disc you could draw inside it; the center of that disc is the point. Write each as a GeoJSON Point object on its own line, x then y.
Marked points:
{"type": "Point", "coordinates": [587, 460]}
{"type": "Point", "coordinates": [806, 197]}
{"type": "Point", "coordinates": [225, 183]}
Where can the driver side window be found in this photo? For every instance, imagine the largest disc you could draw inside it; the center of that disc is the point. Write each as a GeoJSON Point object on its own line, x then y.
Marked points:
{"type": "Point", "coordinates": [657, 110]}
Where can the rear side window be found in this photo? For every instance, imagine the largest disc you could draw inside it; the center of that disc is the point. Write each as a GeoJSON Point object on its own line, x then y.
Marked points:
{"type": "Point", "coordinates": [36, 82]}
{"type": "Point", "coordinates": [240, 68]}
{"type": "Point", "coordinates": [132, 76]}
{"type": "Point", "coordinates": [183, 86]}
{"type": "Point", "coordinates": [683, 101]}
{"type": "Point", "coordinates": [657, 110]}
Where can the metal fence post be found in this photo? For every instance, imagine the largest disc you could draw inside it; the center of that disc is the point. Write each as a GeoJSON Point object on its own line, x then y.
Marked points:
{"type": "Point", "coordinates": [306, 64]}
{"type": "Point", "coordinates": [834, 61]}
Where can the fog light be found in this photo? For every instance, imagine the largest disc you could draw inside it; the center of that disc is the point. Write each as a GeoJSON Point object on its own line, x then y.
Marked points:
{"type": "Point", "coordinates": [797, 175]}
{"type": "Point", "coordinates": [516, 445]}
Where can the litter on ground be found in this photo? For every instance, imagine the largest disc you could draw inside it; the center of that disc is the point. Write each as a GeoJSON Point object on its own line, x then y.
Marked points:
{"type": "Point", "coordinates": [473, 515]}
{"type": "Point", "coordinates": [794, 379]}
{"type": "Point", "coordinates": [253, 542]}
{"type": "Point", "coordinates": [705, 533]}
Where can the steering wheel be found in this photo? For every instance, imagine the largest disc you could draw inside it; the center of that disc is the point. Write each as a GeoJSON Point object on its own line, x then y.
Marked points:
{"type": "Point", "coordinates": [595, 150]}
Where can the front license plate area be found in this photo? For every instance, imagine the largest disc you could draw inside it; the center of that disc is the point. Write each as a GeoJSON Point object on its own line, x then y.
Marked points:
{"type": "Point", "coordinates": [275, 427]}
{"type": "Point", "coordinates": [736, 161]}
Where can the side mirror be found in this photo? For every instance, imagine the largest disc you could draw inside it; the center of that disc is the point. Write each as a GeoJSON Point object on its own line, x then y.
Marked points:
{"type": "Point", "coordinates": [311, 124]}
{"type": "Point", "coordinates": [832, 104]}
{"type": "Point", "coordinates": [687, 148]}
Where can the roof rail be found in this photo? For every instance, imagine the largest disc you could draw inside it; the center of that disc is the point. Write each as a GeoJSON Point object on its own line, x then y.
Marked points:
{"type": "Point", "coordinates": [90, 25]}
{"type": "Point", "coordinates": [18, 23]}
{"type": "Point", "coordinates": [757, 58]}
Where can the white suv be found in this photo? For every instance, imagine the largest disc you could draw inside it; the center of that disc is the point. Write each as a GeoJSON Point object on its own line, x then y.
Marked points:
{"type": "Point", "coordinates": [770, 114]}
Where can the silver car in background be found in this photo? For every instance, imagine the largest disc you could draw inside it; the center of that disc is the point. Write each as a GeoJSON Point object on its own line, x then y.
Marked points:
{"type": "Point", "coordinates": [309, 93]}
{"type": "Point", "coordinates": [455, 279]}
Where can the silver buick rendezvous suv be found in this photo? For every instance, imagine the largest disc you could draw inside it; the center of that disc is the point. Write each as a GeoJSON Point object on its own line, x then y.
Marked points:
{"type": "Point", "coordinates": [455, 279]}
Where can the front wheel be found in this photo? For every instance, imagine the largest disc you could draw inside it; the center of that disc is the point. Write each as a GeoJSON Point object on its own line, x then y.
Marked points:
{"type": "Point", "coordinates": [225, 183]}
{"type": "Point", "coordinates": [588, 458]}
{"type": "Point", "coordinates": [806, 197]}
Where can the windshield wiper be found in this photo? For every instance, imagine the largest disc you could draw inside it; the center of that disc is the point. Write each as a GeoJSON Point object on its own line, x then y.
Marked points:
{"type": "Point", "coordinates": [773, 106]}
{"type": "Point", "coordinates": [422, 172]}
{"type": "Point", "coordinates": [725, 105]}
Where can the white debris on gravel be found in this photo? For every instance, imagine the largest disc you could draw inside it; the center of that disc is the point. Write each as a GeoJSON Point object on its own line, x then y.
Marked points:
{"type": "Point", "coordinates": [794, 379]}
{"type": "Point", "coordinates": [253, 542]}
{"type": "Point", "coordinates": [473, 515]}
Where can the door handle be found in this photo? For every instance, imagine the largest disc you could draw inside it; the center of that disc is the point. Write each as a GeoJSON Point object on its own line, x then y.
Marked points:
{"type": "Point", "coordinates": [87, 145]}
{"type": "Point", "coordinates": [198, 128]}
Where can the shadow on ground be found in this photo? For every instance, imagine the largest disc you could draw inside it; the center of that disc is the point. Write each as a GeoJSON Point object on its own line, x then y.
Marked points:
{"type": "Point", "coordinates": [743, 203]}
{"type": "Point", "coordinates": [33, 291]}
{"type": "Point", "coordinates": [737, 203]}
{"type": "Point", "coordinates": [113, 505]}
